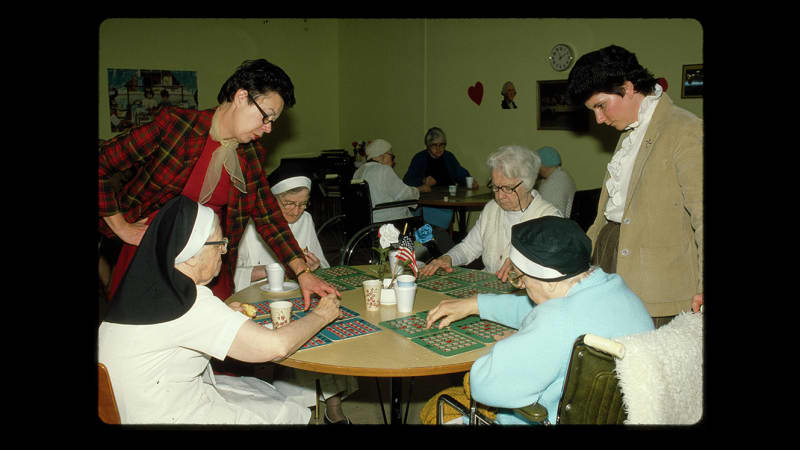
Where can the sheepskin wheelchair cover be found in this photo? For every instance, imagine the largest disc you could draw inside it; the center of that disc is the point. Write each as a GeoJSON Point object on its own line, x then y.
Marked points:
{"type": "Point", "coordinates": [661, 373]}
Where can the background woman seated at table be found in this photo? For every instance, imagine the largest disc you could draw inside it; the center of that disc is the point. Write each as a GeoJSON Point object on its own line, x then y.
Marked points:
{"type": "Point", "coordinates": [514, 170]}
{"type": "Point", "coordinates": [436, 166]}
{"type": "Point", "coordinates": [566, 298]}
{"type": "Point", "coordinates": [291, 186]}
{"type": "Point", "coordinates": [384, 184]}
{"type": "Point", "coordinates": [165, 325]}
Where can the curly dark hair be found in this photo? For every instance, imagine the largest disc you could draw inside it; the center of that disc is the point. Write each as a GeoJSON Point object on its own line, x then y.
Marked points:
{"type": "Point", "coordinates": [258, 77]}
{"type": "Point", "coordinates": [606, 70]}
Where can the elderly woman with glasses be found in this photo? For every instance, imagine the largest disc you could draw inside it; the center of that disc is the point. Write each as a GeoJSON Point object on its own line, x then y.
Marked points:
{"type": "Point", "coordinates": [164, 326]}
{"type": "Point", "coordinates": [437, 166]}
{"type": "Point", "coordinates": [566, 297]}
{"type": "Point", "coordinates": [291, 186]}
{"type": "Point", "coordinates": [514, 170]}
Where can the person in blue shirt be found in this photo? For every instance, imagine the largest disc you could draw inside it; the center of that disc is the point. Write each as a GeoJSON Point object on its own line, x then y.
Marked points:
{"type": "Point", "coordinates": [566, 297]}
{"type": "Point", "coordinates": [435, 166]}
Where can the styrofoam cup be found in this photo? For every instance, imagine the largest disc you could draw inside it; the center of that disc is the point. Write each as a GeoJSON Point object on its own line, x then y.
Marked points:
{"type": "Point", "coordinates": [275, 277]}
{"type": "Point", "coordinates": [406, 280]}
{"type": "Point", "coordinates": [405, 298]}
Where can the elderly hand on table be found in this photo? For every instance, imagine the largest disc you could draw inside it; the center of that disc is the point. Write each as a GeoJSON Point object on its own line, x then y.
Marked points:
{"type": "Point", "coordinates": [505, 269]}
{"type": "Point", "coordinates": [328, 308]}
{"type": "Point", "coordinates": [444, 262]}
{"type": "Point", "coordinates": [451, 310]}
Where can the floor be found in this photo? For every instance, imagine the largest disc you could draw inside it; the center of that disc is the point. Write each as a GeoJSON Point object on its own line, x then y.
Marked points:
{"type": "Point", "coordinates": [364, 406]}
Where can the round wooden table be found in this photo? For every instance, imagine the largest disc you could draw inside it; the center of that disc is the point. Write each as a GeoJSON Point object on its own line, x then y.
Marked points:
{"type": "Point", "coordinates": [464, 198]}
{"type": "Point", "coordinates": [381, 354]}
{"type": "Point", "coordinates": [464, 201]}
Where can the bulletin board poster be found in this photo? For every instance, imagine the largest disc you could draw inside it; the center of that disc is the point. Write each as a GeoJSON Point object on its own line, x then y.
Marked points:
{"type": "Point", "coordinates": [134, 95]}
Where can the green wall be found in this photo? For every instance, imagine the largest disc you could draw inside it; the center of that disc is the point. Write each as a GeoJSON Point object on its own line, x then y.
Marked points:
{"type": "Point", "coordinates": [306, 49]}
{"type": "Point", "coordinates": [361, 79]}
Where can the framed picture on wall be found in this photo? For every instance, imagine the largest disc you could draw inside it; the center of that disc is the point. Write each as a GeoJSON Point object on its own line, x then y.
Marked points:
{"type": "Point", "coordinates": [555, 110]}
{"type": "Point", "coordinates": [692, 81]}
{"type": "Point", "coordinates": [134, 95]}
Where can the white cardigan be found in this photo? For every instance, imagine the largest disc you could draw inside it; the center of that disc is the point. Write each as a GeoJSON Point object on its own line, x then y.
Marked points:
{"type": "Point", "coordinates": [490, 237]}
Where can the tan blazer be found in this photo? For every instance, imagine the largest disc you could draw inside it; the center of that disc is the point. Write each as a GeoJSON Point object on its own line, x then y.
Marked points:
{"type": "Point", "coordinates": [661, 236]}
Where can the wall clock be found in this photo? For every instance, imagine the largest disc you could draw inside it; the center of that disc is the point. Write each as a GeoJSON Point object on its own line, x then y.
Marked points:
{"type": "Point", "coordinates": [561, 57]}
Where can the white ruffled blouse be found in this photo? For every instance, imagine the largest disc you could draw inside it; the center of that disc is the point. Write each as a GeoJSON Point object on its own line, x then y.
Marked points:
{"type": "Point", "coordinates": [621, 165]}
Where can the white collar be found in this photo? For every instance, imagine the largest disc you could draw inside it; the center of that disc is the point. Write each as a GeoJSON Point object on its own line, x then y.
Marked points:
{"type": "Point", "coordinates": [647, 107]}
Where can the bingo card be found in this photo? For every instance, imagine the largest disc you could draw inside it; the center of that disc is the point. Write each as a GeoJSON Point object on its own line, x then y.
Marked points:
{"type": "Point", "coordinates": [480, 329]}
{"type": "Point", "coordinates": [447, 342]}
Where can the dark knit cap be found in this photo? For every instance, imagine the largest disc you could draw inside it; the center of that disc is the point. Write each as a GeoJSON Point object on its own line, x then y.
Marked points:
{"type": "Point", "coordinates": [550, 248]}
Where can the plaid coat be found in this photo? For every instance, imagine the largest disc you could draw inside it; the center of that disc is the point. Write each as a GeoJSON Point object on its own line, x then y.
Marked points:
{"type": "Point", "coordinates": [163, 154]}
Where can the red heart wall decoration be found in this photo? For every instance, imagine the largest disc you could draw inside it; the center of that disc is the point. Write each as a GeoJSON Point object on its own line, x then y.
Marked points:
{"type": "Point", "coordinates": [476, 92]}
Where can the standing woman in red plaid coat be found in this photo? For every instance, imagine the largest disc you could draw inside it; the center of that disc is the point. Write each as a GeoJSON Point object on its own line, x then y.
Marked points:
{"type": "Point", "coordinates": [213, 157]}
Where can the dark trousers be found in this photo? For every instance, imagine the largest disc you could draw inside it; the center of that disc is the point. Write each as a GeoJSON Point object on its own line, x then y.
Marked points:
{"type": "Point", "coordinates": [605, 255]}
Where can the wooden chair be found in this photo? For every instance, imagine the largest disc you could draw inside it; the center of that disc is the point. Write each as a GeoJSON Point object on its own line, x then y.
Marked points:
{"type": "Point", "coordinates": [106, 404]}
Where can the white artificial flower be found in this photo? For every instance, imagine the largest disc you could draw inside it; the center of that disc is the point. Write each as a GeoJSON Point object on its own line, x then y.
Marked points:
{"type": "Point", "coordinates": [389, 235]}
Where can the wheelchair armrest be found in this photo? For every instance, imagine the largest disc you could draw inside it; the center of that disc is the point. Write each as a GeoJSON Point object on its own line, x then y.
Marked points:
{"type": "Point", "coordinates": [535, 413]}
{"type": "Point", "coordinates": [472, 413]}
{"type": "Point", "coordinates": [444, 398]}
{"type": "Point", "coordinates": [394, 204]}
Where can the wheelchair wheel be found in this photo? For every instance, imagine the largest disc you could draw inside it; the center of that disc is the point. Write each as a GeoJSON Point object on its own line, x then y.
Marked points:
{"type": "Point", "coordinates": [332, 235]}
{"type": "Point", "coordinates": [360, 248]}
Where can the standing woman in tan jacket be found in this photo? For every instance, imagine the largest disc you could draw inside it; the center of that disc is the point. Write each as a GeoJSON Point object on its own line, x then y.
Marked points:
{"type": "Point", "coordinates": [649, 224]}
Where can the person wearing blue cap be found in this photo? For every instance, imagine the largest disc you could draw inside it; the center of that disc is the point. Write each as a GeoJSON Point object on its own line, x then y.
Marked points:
{"type": "Point", "coordinates": [566, 298]}
{"type": "Point", "coordinates": [555, 185]}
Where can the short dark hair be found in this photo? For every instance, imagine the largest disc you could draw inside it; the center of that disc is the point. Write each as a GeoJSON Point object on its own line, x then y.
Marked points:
{"type": "Point", "coordinates": [258, 77]}
{"type": "Point", "coordinates": [606, 70]}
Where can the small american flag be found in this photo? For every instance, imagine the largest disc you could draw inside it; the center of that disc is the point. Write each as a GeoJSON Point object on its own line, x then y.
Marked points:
{"type": "Point", "coordinates": [406, 253]}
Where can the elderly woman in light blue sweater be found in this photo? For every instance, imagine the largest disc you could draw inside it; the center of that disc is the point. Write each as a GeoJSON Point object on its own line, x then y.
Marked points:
{"type": "Point", "coordinates": [566, 298]}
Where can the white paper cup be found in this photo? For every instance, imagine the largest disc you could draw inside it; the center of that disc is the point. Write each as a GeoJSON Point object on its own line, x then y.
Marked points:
{"type": "Point", "coordinates": [406, 280]}
{"type": "Point", "coordinates": [405, 298]}
{"type": "Point", "coordinates": [452, 189]}
{"type": "Point", "coordinates": [470, 180]}
{"type": "Point", "coordinates": [372, 294]}
{"type": "Point", "coordinates": [281, 313]}
{"type": "Point", "coordinates": [275, 277]}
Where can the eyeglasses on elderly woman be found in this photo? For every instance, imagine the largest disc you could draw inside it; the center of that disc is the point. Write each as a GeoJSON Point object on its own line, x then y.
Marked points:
{"type": "Point", "coordinates": [223, 243]}
{"type": "Point", "coordinates": [288, 204]}
{"type": "Point", "coordinates": [515, 278]}
{"type": "Point", "coordinates": [506, 189]}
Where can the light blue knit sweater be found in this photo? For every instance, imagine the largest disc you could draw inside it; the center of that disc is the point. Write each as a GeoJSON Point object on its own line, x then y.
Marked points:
{"type": "Point", "coordinates": [531, 365]}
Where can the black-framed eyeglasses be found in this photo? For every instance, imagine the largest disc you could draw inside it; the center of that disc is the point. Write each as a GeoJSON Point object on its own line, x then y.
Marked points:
{"type": "Point", "coordinates": [265, 120]}
{"type": "Point", "coordinates": [223, 243]}
{"type": "Point", "coordinates": [505, 189]}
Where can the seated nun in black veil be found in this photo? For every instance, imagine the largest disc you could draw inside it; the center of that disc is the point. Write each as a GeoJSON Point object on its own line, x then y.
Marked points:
{"type": "Point", "coordinates": [164, 326]}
